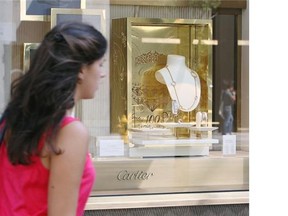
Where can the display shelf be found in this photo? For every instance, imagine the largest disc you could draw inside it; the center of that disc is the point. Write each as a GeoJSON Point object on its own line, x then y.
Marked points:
{"type": "Point", "coordinates": [173, 142]}
{"type": "Point", "coordinates": [170, 151]}
{"type": "Point", "coordinates": [203, 129]}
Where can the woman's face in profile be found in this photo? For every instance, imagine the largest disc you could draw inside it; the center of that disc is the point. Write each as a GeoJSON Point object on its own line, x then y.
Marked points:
{"type": "Point", "coordinates": [91, 76]}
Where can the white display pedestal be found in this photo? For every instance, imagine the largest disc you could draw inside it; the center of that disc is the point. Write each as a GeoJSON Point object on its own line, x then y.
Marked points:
{"type": "Point", "coordinates": [161, 142]}
{"type": "Point", "coordinates": [170, 151]}
{"type": "Point", "coordinates": [171, 147]}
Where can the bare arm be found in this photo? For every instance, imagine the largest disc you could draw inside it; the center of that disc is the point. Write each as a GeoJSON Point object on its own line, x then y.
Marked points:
{"type": "Point", "coordinates": [66, 170]}
{"type": "Point", "coordinates": [232, 94]}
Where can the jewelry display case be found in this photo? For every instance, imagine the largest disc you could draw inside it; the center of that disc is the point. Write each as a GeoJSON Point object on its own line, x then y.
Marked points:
{"type": "Point", "coordinates": [141, 105]}
{"type": "Point", "coordinates": [139, 48]}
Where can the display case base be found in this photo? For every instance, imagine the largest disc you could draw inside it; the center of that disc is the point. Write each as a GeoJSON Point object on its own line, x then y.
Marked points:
{"type": "Point", "coordinates": [135, 175]}
{"type": "Point", "coordinates": [170, 151]}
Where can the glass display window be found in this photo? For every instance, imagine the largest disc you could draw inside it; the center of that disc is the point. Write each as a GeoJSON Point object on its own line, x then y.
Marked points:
{"type": "Point", "coordinates": [148, 136]}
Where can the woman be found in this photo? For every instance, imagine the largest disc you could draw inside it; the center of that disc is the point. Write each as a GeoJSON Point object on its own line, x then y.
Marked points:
{"type": "Point", "coordinates": [45, 168]}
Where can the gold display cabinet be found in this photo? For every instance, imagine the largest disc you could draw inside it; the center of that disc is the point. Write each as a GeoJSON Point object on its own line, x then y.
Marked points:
{"type": "Point", "coordinates": [139, 47]}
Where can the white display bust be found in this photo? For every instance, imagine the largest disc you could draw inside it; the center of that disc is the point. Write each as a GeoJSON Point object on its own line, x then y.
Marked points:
{"type": "Point", "coordinates": [183, 83]}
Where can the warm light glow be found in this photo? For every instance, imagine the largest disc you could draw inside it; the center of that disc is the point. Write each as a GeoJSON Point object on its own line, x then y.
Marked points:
{"type": "Point", "coordinates": [243, 42]}
{"type": "Point", "coordinates": [161, 40]}
{"type": "Point", "coordinates": [209, 42]}
{"type": "Point", "coordinates": [195, 41]}
{"type": "Point", "coordinates": [204, 42]}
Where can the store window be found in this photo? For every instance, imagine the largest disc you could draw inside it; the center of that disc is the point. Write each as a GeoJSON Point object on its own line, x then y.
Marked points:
{"type": "Point", "coordinates": [147, 135]}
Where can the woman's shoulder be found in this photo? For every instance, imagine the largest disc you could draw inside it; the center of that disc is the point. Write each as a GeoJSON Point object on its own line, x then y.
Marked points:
{"type": "Point", "coordinates": [67, 120]}
{"type": "Point", "coordinates": [72, 127]}
{"type": "Point", "coordinates": [72, 139]}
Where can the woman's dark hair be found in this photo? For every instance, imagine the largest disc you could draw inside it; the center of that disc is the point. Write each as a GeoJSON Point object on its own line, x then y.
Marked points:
{"type": "Point", "coordinates": [42, 96]}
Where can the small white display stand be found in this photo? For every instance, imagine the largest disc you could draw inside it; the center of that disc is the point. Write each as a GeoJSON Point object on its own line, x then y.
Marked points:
{"type": "Point", "coordinates": [109, 146]}
{"type": "Point", "coordinates": [229, 144]}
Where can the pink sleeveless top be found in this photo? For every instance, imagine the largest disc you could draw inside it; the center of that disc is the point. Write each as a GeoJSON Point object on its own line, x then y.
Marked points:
{"type": "Point", "coordinates": [24, 189]}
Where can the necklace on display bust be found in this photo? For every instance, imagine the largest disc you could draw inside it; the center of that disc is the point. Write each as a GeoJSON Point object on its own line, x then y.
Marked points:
{"type": "Point", "coordinates": [179, 105]}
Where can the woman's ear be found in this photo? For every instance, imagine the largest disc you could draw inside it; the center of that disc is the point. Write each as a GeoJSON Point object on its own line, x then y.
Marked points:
{"type": "Point", "coordinates": [81, 75]}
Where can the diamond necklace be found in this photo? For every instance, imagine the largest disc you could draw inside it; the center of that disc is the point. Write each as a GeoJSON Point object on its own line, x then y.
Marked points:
{"type": "Point", "coordinates": [173, 84]}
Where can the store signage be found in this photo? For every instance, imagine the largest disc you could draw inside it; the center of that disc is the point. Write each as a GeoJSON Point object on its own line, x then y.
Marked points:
{"type": "Point", "coordinates": [111, 147]}
{"type": "Point", "coordinates": [125, 175]}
